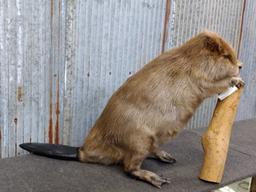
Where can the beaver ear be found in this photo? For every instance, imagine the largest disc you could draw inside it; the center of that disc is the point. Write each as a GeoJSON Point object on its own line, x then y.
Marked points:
{"type": "Point", "coordinates": [213, 44]}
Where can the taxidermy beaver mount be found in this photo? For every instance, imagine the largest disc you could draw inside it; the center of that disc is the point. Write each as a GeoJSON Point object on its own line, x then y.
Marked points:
{"type": "Point", "coordinates": [153, 106]}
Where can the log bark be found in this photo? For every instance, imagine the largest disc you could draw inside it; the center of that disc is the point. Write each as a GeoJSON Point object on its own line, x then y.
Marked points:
{"type": "Point", "coordinates": [215, 140]}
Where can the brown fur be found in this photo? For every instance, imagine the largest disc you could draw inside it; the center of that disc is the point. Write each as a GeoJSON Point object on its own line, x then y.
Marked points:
{"type": "Point", "coordinates": [154, 104]}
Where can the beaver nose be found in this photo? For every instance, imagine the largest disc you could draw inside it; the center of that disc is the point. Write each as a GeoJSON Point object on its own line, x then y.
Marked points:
{"type": "Point", "coordinates": [240, 67]}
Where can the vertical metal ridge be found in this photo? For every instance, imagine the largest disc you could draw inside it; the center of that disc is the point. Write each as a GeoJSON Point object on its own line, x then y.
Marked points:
{"type": "Point", "coordinates": [61, 72]}
{"type": "Point", "coordinates": [241, 28]}
{"type": "Point", "coordinates": [3, 82]}
{"type": "Point", "coordinates": [83, 70]}
{"type": "Point", "coordinates": [20, 82]}
{"type": "Point", "coordinates": [35, 70]}
{"type": "Point", "coordinates": [12, 77]}
{"type": "Point", "coordinates": [166, 21]}
{"type": "Point", "coordinates": [69, 63]}
{"type": "Point", "coordinates": [77, 75]}
{"type": "Point", "coordinates": [6, 87]}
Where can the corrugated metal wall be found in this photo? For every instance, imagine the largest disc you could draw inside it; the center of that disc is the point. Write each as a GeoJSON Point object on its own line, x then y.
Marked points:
{"type": "Point", "coordinates": [61, 60]}
{"type": "Point", "coordinates": [247, 54]}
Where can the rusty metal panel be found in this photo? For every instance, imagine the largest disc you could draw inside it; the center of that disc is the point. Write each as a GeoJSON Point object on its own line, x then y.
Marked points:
{"type": "Point", "coordinates": [112, 40]}
{"type": "Point", "coordinates": [247, 108]}
{"type": "Point", "coordinates": [28, 62]}
{"type": "Point", "coordinates": [61, 60]}
{"type": "Point", "coordinates": [189, 17]}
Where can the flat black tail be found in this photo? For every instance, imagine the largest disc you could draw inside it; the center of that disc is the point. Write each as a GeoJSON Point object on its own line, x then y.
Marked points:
{"type": "Point", "coordinates": [55, 151]}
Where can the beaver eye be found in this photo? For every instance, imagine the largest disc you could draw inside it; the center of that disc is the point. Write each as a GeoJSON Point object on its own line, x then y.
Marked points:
{"type": "Point", "coordinates": [226, 56]}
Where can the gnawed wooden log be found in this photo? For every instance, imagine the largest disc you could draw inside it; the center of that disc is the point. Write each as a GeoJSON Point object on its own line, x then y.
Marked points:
{"type": "Point", "coordinates": [215, 140]}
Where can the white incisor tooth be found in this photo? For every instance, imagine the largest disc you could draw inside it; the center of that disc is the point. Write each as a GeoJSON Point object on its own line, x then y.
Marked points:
{"type": "Point", "coordinates": [228, 92]}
